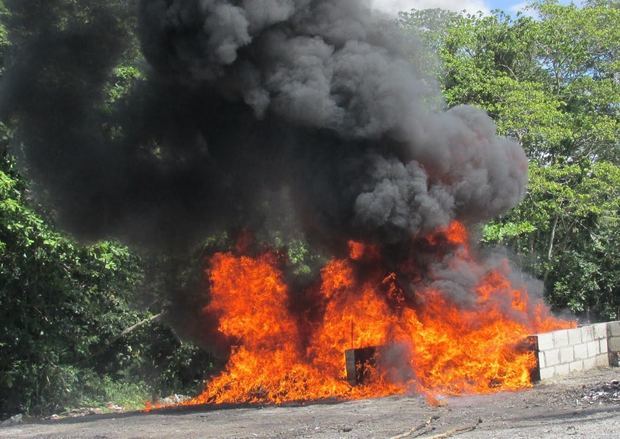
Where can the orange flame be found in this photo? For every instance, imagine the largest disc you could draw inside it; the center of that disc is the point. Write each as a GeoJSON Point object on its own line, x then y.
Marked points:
{"type": "Point", "coordinates": [445, 347]}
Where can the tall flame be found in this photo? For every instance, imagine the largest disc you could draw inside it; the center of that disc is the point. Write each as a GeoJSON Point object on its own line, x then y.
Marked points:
{"type": "Point", "coordinates": [440, 347]}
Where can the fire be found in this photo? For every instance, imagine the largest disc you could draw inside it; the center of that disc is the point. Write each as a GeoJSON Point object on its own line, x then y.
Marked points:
{"type": "Point", "coordinates": [441, 346]}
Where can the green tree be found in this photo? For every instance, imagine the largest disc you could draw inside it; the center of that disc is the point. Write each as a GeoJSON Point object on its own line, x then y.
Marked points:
{"type": "Point", "coordinates": [553, 84]}
{"type": "Point", "coordinates": [59, 304]}
{"type": "Point", "coordinates": [567, 232]}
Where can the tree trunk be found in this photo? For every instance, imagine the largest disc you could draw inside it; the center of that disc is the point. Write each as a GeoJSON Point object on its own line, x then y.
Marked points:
{"type": "Point", "coordinates": [551, 243]}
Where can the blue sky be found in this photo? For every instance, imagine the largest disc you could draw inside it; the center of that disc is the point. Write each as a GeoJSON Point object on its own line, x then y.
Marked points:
{"type": "Point", "coordinates": [508, 5]}
{"type": "Point", "coordinates": [393, 6]}
{"type": "Point", "coordinates": [502, 4]}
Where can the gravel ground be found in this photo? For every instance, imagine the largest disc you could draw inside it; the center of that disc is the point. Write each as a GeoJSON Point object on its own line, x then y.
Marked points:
{"type": "Point", "coordinates": [582, 405]}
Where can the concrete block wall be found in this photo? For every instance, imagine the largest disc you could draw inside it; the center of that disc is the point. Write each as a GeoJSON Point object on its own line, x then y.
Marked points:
{"type": "Point", "coordinates": [613, 343]}
{"type": "Point", "coordinates": [569, 350]}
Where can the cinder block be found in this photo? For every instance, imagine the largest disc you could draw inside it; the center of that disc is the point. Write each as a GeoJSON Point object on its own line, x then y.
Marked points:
{"type": "Point", "coordinates": [546, 373]}
{"type": "Point", "coordinates": [581, 351]}
{"type": "Point", "coordinates": [589, 363]}
{"type": "Point", "coordinates": [576, 366]}
{"type": "Point", "coordinates": [560, 338]}
{"type": "Point", "coordinates": [603, 346]}
{"type": "Point", "coordinates": [545, 341]}
{"type": "Point", "coordinates": [552, 357]}
{"type": "Point", "coordinates": [567, 355]}
{"type": "Point", "coordinates": [541, 360]}
{"type": "Point", "coordinates": [613, 329]}
{"type": "Point", "coordinates": [593, 349]}
{"type": "Point", "coordinates": [562, 369]}
{"type": "Point", "coordinates": [602, 360]}
{"type": "Point", "coordinates": [587, 333]}
{"type": "Point", "coordinates": [574, 336]}
{"type": "Point", "coordinates": [600, 330]}
{"type": "Point", "coordinates": [614, 344]}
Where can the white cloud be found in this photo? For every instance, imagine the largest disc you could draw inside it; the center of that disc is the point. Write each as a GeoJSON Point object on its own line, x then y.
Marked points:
{"type": "Point", "coordinates": [528, 12]}
{"type": "Point", "coordinates": [394, 6]}
{"type": "Point", "coordinates": [523, 8]}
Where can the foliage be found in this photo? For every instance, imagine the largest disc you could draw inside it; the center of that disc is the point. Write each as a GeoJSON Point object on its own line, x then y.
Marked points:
{"type": "Point", "coordinates": [550, 81]}
{"type": "Point", "coordinates": [63, 307]}
{"type": "Point", "coordinates": [59, 303]}
{"type": "Point", "coordinates": [569, 226]}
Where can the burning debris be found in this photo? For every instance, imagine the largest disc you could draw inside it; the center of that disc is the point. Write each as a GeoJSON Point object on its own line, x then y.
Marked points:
{"type": "Point", "coordinates": [322, 100]}
{"type": "Point", "coordinates": [393, 341]}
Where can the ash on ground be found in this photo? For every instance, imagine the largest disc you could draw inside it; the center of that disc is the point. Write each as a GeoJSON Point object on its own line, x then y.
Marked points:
{"type": "Point", "coordinates": [602, 393]}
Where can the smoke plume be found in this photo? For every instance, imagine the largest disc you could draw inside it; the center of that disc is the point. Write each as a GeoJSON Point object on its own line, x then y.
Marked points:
{"type": "Point", "coordinates": [240, 98]}
{"type": "Point", "coordinates": [318, 96]}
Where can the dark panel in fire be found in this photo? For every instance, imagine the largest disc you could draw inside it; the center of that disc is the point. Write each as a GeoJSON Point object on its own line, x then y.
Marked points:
{"type": "Point", "coordinates": [359, 362]}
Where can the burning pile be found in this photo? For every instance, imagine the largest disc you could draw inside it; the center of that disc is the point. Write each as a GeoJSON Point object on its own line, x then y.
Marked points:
{"type": "Point", "coordinates": [434, 344]}
{"type": "Point", "coordinates": [312, 118]}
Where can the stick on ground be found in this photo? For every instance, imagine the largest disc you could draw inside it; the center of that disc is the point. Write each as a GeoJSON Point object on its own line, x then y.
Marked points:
{"type": "Point", "coordinates": [416, 428]}
{"type": "Point", "coordinates": [455, 431]}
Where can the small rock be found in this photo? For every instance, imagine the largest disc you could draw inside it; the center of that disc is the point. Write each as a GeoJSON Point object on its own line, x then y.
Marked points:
{"type": "Point", "coordinates": [114, 407]}
{"type": "Point", "coordinates": [13, 420]}
{"type": "Point", "coordinates": [174, 399]}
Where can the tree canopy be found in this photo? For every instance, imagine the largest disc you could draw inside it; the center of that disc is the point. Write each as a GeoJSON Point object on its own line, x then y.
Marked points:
{"type": "Point", "coordinates": [551, 80]}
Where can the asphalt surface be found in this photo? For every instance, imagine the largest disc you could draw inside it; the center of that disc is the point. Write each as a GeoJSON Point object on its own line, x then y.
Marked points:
{"type": "Point", "coordinates": [572, 407]}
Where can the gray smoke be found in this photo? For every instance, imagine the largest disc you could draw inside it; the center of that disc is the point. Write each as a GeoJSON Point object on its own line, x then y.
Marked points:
{"type": "Point", "coordinates": [249, 114]}
{"type": "Point", "coordinates": [320, 99]}
{"type": "Point", "coordinates": [390, 165]}
{"type": "Point", "coordinates": [315, 95]}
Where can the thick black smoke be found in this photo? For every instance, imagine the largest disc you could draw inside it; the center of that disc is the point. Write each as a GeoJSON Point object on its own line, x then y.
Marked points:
{"type": "Point", "coordinates": [242, 98]}
{"type": "Point", "coordinates": [315, 95]}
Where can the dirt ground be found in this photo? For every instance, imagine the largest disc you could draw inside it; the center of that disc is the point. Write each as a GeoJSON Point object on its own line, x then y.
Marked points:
{"type": "Point", "coordinates": [582, 405]}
